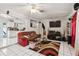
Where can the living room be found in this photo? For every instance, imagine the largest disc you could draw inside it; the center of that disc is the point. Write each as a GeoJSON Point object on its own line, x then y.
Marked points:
{"type": "Point", "coordinates": [42, 29]}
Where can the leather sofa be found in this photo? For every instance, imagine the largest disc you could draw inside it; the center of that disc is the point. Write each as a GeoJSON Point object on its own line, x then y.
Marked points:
{"type": "Point", "coordinates": [27, 37]}
{"type": "Point", "coordinates": [21, 39]}
{"type": "Point", "coordinates": [54, 35]}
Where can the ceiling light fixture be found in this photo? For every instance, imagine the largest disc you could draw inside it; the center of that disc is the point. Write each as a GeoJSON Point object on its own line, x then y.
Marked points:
{"type": "Point", "coordinates": [36, 9]}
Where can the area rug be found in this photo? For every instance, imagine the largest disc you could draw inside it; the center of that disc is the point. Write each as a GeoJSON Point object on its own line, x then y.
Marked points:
{"type": "Point", "coordinates": [47, 48]}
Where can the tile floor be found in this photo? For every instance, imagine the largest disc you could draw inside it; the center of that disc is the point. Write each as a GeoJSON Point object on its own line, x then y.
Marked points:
{"type": "Point", "coordinates": [17, 50]}
{"type": "Point", "coordinates": [66, 50]}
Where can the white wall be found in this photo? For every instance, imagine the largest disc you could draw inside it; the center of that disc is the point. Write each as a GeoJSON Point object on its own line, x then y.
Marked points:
{"type": "Point", "coordinates": [16, 12]}
{"type": "Point", "coordinates": [28, 28]}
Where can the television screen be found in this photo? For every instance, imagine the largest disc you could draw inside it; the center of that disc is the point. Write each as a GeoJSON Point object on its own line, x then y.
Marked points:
{"type": "Point", "coordinates": [55, 23]}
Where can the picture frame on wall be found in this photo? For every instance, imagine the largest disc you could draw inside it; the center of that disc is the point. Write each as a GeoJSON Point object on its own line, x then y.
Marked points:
{"type": "Point", "coordinates": [55, 23]}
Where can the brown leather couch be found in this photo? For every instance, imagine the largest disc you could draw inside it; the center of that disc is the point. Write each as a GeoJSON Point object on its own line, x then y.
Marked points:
{"type": "Point", "coordinates": [31, 35]}
{"type": "Point", "coordinates": [52, 35]}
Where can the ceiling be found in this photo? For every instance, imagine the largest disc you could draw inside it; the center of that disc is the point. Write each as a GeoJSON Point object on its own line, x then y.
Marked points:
{"type": "Point", "coordinates": [50, 10]}
{"type": "Point", "coordinates": [54, 10]}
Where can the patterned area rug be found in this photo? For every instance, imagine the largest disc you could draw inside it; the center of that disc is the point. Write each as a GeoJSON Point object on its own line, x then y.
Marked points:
{"type": "Point", "coordinates": [47, 48]}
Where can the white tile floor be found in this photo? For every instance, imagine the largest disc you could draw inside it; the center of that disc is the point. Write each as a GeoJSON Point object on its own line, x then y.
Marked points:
{"type": "Point", "coordinates": [66, 50]}
{"type": "Point", "coordinates": [17, 50]}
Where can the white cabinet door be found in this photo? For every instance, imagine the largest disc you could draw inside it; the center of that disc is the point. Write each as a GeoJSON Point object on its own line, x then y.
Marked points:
{"type": "Point", "coordinates": [1, 42]}
{"type": "Point", "coordinates": [12, 41]}
{"type": "Point", "coordinates": [12, 37]}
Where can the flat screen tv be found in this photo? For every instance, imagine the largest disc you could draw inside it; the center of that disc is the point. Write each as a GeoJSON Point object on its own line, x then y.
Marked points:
{"type": "Point", "coordinates": [55, 23]}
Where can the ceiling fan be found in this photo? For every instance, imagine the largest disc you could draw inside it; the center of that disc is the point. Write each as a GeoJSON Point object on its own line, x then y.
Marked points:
{"type": "Point", "coordinates": [36, 8]}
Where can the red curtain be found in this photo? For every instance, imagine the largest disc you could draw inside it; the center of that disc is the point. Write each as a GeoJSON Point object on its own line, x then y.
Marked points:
{"type": "Point", "coordinates": [73, 34]}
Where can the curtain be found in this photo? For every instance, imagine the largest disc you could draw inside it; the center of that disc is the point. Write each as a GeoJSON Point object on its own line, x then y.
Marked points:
{"type": "Point", "coordinates": [73, 33]}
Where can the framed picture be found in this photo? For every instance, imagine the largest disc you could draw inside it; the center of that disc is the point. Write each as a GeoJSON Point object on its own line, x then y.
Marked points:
{"type": "Point", "coordinates": [55, 23]}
